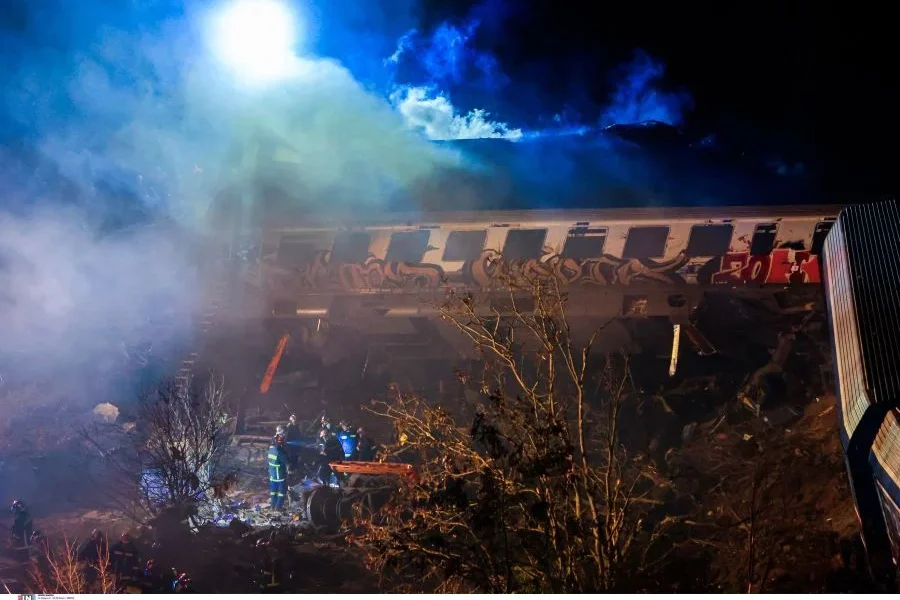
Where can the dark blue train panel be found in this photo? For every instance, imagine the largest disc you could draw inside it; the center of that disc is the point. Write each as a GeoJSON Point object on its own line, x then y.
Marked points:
{"type": "Point", "coordinates": [862, 285]}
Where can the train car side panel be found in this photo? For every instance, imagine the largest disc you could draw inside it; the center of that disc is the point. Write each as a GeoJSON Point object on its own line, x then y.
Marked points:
{"type": "Point", "coordinates": [578, 251]}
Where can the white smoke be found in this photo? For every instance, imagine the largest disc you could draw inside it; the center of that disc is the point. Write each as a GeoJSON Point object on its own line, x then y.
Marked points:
{"type": "Point", "coordinates": [435, 116]}
{"type": "Point", "coordinates": [154, 127]}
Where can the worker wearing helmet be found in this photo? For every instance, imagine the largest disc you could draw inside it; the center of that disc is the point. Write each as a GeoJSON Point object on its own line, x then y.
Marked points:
{"type": "Point", "coordinates": [22, 523]}
{"type": "Point", "coordinates": [292, 441]}
{"type": "Point", "coordinates": [330, 450]}
{"type": "Point", "coordinates": [92, 549]}
{"type": "Point", "coordinates": [349, 441]}
{"type": "Point", "coordinates": [278, 463]}
{"type": "Point", "coordinates": [365, 450]}
{"type": "Point", "coordinates": [125, 556]}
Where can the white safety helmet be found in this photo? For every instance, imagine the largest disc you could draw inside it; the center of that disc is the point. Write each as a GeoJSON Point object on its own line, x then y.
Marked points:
{"type": "Point", "coordinates": [279, 430]}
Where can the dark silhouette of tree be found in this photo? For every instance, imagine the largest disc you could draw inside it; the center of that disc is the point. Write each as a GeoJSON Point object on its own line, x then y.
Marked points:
{"type": "Point", "coordinates": [536, 492]}
{"type": "Point", "coordinates": [173, 459]}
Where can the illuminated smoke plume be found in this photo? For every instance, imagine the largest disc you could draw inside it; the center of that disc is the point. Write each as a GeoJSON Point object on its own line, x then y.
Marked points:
{"type": "Point", "coordinates": [440, 60]}
{"type": "Point", "coordinates": [435, 116]}
{"type": "Point", "coordinates": [132, 122]}
{"type": "Point", "coordinates": [404, 44]}
{"type": "Point", "coordinates": [638, 97]}
{"type": "Point", "coordinates": [429, 66]}
{"type": "Point", "coordinates": [122, 118]}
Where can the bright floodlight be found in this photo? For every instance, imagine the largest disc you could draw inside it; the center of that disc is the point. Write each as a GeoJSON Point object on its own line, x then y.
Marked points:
{"type": "Point", "coordinates": [256, 38]}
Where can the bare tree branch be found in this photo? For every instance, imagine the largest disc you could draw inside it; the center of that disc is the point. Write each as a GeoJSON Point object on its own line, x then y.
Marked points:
{"type": "Point", "coordinates": [536, 494]}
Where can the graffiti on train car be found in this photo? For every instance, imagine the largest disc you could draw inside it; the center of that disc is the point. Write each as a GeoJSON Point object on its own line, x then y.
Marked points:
{"type": "Point", "coordinates": [488, 268]}
{"type": "Point", "coordinates": [782, 266]}
{"type": "Point", "coordinates": [372, 274]}
{"type": "Point", "coordinates": [321, 274]}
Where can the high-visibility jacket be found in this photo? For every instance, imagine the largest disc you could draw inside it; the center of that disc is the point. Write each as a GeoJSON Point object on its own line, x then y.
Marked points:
{"type": "Point", "coordinates": [277, 463]}
{"type": "Point", "coordinates": [348, 442]}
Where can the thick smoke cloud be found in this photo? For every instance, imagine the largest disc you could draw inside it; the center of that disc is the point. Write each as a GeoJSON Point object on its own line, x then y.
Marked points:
{"type": "Point", "coordinates": [430, 112]}
{"type": "Point", "coordinates": [130, 125]}
{"type": "Point", "coordinates": [638, 96]}
{"type": "Point", "coordinates": [75, 305]}
{"type": "Point", "coordinates": [434, 63]}
{"type": "Point", "coordinates": [430, 65]}
{"type": "Point", "coordinates": [120, 129]}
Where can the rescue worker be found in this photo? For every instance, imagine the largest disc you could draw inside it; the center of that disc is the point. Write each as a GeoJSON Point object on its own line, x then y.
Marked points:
{"type": "Point", "coordinates": [292, 441]}
{"type": "Point", "coordinates": [23, 525]}
{"type": "Point", "coordinates": [92, 549]}
{"type": "Point", "coordinates": [180, 582]}
{"type": "Point", "coordinates": [151, 574]}
{"type": "Point", "coordinates": [292, 430]}
{"type": "Point", "coordinates": [278, 465]}
{"type": "Point", "coordinates": [326, 424]}
{"type": "Point", "coordinates": [365, 450]}
{"type": "Point", "coordinates": [279, 430]}
{"type": "Point", "coordinates": [349, 441]}
{"type": "Point", "coordinates": [125, 556]}
{"type": "Point", "coordinates": [331, 450]}
{"type": "Point", "coordinates": [90, 552]}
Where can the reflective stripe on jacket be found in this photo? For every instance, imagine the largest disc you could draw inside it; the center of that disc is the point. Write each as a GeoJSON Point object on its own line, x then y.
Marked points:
{"type": "Point", "coordinates": [277, 463]}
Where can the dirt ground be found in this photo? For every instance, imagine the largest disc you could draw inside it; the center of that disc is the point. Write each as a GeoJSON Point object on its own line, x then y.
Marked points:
{"type": "Point", "coordinates": [774, 512]}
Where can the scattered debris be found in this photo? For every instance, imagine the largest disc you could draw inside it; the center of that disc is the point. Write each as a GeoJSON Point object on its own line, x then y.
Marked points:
{"type": "Point", "coordinates": [701, 344]}
{"type": "Point", "coordinates": [676, 338]}
{"type": "Point", "coordinates": [106, 411]}
{"type": "Point", "coordinates": [717, 424]}
{"type": "Point", "coordinates": [781, 416]}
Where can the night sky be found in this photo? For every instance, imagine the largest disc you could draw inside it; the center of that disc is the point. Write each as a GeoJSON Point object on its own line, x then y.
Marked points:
{"type": "Point", "coordinates": [812, 80]}
{"type": "Point", "coordinates": [798, 86]}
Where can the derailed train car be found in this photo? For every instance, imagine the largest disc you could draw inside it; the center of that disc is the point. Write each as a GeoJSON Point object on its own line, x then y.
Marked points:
{"type": "Point", "coordinates": [642, 229]}
{"type": "Point", "coordinates": [862, 285]}
{"type": "Point", "coordinates": [644, 262]}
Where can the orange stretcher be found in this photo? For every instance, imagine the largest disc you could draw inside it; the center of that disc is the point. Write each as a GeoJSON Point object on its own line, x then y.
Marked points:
{"type": "Point", "coordinates": [372, 468]}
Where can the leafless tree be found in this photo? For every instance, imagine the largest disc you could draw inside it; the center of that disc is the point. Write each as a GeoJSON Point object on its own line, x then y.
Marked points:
{"type": "Point", "coordinates": [58, 571]}
{"type": "Point", "coordinates": [175, 456]}
{"type": "Point", "coordinates": [186, 440]}
{"type": "Point", "coordinates": [537, 492]}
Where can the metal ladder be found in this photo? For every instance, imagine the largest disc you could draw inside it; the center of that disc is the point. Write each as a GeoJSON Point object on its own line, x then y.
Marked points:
{"type": "Point", "coordinates": [216, 298]}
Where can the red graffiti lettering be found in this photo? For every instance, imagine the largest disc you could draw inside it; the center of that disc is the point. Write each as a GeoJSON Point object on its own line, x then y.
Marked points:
{"type": "Point", "coordinates": [782, 266]}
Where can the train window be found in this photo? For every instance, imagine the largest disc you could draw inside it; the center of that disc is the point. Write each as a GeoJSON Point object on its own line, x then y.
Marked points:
{"type": "Point", "coordinates": [524, 244]}
{"type": "Point", "coordinates": [709, 240]}
{"type": "Point", "coordinates": [408, 246]}
{"type": "Point", "coordinates": [350, 247]}
{"type": "Point", "coordinates": [295, 253]}
{"type": "Point", "coordinates": [584, 243]}
{"type": "Point", "coordinates": [819, 235]}
{"type": "Point", "coordinates": [763, 241]}
{"type": "Point", "coordinates": [646, 242]}
{"type": "Point", "coordinates": [464, 245]}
